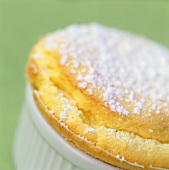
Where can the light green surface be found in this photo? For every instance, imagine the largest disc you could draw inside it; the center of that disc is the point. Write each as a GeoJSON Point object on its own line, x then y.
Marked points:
{"type": "Point", "coordinates": [22, 22]}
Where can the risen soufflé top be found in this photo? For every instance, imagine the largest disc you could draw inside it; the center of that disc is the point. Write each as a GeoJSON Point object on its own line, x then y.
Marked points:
{"type": "Point", "coordinates": [101, 83]}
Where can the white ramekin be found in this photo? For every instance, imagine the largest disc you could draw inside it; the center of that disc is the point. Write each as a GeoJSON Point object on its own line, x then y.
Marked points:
{"type": "Point", "coordinates": [39, 147]}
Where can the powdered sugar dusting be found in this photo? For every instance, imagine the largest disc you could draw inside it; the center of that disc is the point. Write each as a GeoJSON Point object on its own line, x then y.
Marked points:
{"type": "Point", "coordinates": [62, 115]}
{"type": "Point", "coordinates": [122, 66]}
{"type": "Point", "coordinates": [92, 130]}
{"type": "Point", "coordinates": [82, 85]}
{"type": "Point", "coordinates": [90, 91]}
{"type": "Point", "coordinates": [66, 107]}
{"type": "Point", "coordinates": [63, 59]}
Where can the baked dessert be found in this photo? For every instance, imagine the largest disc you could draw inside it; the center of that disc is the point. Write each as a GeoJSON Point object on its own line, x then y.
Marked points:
{"type": "Point", "coordinates": [106, 92]}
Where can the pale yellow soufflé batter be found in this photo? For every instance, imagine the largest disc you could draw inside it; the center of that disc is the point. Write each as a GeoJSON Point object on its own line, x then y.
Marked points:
{"type": "Point", "coordinates": [106, 92]}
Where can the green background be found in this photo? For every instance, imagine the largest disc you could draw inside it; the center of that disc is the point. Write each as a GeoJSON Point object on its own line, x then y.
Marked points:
{"type": "Point", "coordinates": [23, 22]}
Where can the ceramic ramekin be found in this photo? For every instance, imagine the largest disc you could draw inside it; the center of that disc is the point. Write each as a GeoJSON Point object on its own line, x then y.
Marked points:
{"type": "Point", "coordinates": [39, 147]}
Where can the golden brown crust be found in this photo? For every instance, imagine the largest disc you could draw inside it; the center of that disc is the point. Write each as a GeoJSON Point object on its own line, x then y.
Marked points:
{"type": "Point", "coordinates": [105, 140]}
{"type": "Point", "coordinates": [127, 141]}
{"type": "Point", "coordinates": [78, 142]}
